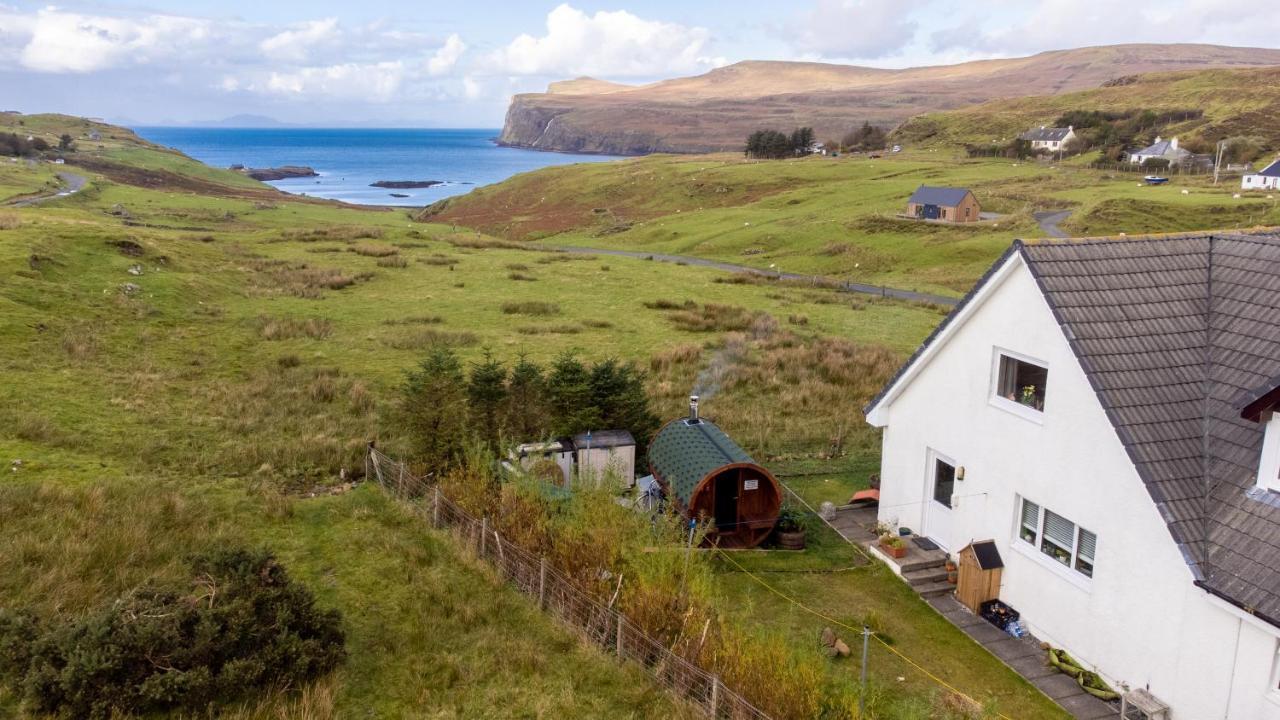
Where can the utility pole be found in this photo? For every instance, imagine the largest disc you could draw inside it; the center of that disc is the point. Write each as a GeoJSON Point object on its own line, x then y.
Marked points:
{"type": "Point", "coordinates": [1217, 161]}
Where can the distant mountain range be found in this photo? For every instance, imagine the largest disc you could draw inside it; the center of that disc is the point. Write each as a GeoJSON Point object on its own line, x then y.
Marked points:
{"type": "Point", "coordinates": [717, 110]}
{"type": "Point", "coordinates": [248, 120]}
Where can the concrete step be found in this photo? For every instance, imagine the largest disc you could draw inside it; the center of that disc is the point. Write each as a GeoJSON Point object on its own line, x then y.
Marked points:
{"type": "Point", "coordinates": [914, 561]}
{"type": "Point", "coordinates": [934, 589]}
{"type": "Point", "coordinates": [925, 576]}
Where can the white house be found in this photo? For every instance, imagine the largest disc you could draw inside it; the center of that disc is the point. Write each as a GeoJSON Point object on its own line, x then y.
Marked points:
{"type": "Point", "coordinates": [1049, 139]}
{"type": "Point", "coordinates": [1104, 412]}
{"type": "Point", "coordinates": [1268, 178]}
{"type": "Point", "coordinates": [1161, 150]}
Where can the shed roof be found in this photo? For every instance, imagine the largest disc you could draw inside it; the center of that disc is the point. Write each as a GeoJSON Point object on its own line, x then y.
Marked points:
{"type": "Point", "coordinates": [987, 554]}
{"type": "Point", "coordinates": [946, 196]}
{"type": "Point", "coordinates": [684, 452]}
{"type": "Point", "coordinates": [1176, 335]}
{"type": "Point", "coordinates": [603, 439]}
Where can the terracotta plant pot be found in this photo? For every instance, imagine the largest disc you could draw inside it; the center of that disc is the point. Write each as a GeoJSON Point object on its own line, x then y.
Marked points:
{"type": "Point", "coordinates": [793, 540]}
{"type": "Point", "coordinates": [953, 577]}
{"type": "Point", "coordinates": [894, 552]}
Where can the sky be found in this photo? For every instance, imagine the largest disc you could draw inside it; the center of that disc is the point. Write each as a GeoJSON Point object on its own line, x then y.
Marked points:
{"type": "Point", "coordinates": [457, 64]}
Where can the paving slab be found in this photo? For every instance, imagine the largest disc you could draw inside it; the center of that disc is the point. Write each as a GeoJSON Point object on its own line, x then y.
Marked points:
{"type": "Point", "coordinates": [1032, 667]}
{"type": "Point", "coordinates": [945, 604]}
{"type": "Point", "coordinates": [1087, 707]}
{"type": "Point", "coordinates": [1012, 649]}
{"type": "Point", "coordinates": [963, 618]}
{"type": "Point", "coordinates": [984, 632]}
{"type": "Point", "coordinates": [1059, 686]}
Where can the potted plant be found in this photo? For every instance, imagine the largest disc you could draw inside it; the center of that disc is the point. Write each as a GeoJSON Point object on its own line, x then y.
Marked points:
{"type": "Point", "coordinates": [893, 546]}
{"type": "Point", "coordinates": [790, 528]}
{"type": "Point", "coordinates": [953, 572]}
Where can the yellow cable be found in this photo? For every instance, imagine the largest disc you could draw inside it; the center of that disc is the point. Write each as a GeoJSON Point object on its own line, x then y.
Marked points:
{"type": "Point", "coordinates": [832, 620]}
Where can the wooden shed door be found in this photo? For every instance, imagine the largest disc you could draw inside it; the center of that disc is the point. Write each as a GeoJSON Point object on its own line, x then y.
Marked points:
{"type": "Point", "coordinates": [727, 486]}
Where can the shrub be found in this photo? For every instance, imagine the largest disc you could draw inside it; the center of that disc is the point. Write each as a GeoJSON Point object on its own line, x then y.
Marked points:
{"type": "Point", "coordinates": [239, 624]}
{"type": "Point", "coordinates": [530, 307]}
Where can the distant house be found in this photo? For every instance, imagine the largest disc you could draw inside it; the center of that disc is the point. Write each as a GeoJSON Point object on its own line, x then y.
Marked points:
{"type": "Point", "coordinates": [957, 205]}
{"type": "Point", "coordinates": [1108, 412]}
{"type": "Point", "coordinates": [1268, 178]}
{"type": "Point", "coordinates": [1049, 139]}
{"type": "Point", "coordinates": [1161, 150]}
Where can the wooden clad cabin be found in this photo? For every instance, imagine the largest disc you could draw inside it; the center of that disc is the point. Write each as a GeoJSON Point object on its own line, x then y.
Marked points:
{"type": "Point", "coordinates": [711, 479]}
{"type": "Point", "coordinates": [980, 569]}
{"type": "Point", "coordinates": [944, 204]}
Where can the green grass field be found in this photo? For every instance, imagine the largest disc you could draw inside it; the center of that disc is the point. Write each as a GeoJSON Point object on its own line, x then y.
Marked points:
{"type": "Point", "coordinates": [836, 216]}
{"type": "Point", "coordinates": [193, 371]}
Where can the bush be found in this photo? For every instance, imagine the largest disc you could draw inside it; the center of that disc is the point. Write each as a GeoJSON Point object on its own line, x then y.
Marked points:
{"type": "Point", "coordinates": [240, 624]}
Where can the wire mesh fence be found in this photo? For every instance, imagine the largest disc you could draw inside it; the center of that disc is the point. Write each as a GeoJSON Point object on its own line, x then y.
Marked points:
{"type": "Point", "coordinates": [594, 621]}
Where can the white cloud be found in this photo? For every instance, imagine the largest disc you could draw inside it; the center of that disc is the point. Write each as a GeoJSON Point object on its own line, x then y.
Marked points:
{"type": "Point", "coordinates": [442, 62]}
{"type": "Point", "coordinates": [616, 44]}
{"type": "Point", "coordinates": [369, 82]}
{"type": "Point", "coordinates": [860, 29]}
{"type": "Point", "coordinates": [67, 42]}
{"type": "Point", "coordinates": [295, 45]}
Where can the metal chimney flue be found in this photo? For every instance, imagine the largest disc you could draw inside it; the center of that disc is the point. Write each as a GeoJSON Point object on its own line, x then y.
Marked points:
{"type": "Point", "coordinates": [693, 409]}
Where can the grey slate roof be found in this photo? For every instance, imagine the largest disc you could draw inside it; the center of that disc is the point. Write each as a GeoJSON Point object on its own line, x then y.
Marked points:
{"type": "Point", "coordinates": [1272, 170]}
{"type": "Point", "coordinates": [1162, 149]}
{"type": "Point", "coordinates": [1045, 134]}
{"type": "Point", "coordinates": [1176, 336]}
{"type": "Point", "coordinates": [945, 196]}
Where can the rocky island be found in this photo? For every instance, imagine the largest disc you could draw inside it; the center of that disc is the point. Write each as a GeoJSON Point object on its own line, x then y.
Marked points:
{"type": "Point", "coordinates": [405, 184]}
{"type": "Point", "coordinates": [277, 173]}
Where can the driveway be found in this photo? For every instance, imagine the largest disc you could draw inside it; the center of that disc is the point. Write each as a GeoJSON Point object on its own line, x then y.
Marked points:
{"type": "Point", "coordinates": [863, 288]}
{"type": "Point", "coordinates": [1049, 222]}
{"type": "Point", "coordinates": [72, 183]}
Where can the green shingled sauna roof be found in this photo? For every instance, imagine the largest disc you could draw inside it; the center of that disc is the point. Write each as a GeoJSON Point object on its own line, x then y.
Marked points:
{"type": "Point", "coordinates": [682, 454]}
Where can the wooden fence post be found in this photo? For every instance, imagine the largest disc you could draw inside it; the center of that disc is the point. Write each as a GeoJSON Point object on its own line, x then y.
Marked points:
{"type": "Point", "coordinates": [542, 583]}
{"type": "Point", "coordinates": [435, 510]}
{"type": "Point", "coordinates": [714, 704]}
{"type": "Point", "coordinates": [484, 533]}
{"type": "Point", "coordinates": [618, 642]}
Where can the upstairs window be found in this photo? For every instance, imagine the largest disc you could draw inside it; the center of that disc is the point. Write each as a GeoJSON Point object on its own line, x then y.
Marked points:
{"type": "Point", "coordinates": [1057, 537]}
{"type": "Point", "coordinates": [1021, 382]}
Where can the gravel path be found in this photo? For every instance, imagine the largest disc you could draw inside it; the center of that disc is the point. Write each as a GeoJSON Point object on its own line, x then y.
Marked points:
{"type": "Point", "coordinates": [880, 290]}
{"type": "Point", "coordinates": [72, 183]}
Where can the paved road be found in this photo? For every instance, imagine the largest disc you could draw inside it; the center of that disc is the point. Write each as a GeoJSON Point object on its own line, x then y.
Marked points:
{"type": "Point", "coordinates": [1049, 222]}
{"type": "Point", "coordinates": [880, 290]}
{"type": "Point", "coordinates": [72, 183]}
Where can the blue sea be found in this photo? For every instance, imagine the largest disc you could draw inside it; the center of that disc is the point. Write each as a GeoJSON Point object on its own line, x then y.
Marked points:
{"type": "Point", "coordinates": [348, 159]}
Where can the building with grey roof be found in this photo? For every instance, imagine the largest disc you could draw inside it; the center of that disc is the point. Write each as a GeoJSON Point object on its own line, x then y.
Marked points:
{"type": "Point", "coordinates": [1106, 411]}
{"type": "Point", "coordinates": [1049, 139]}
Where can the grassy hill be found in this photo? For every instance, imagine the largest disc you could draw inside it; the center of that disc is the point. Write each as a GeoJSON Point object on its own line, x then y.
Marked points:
{"type": "Point", "coordinates": [1234, 102]}
{"type": "Point", "coordinates": [835, 216]}
{"type": "Point", "coordinates": [716, 111]}
{"type": "Point", "coordinates": [194, 365]}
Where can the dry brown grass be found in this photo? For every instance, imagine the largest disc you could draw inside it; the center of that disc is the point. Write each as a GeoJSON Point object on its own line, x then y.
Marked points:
{"type": "Point", "coordinates": [287, 328]}
{"type": "Point", "coordinates": [664, 304]}
{"type": "Point", "coordinates": [421, 338]}
{"type": "Point", "coordinates": [439, 260]}
{"type": "Point", "coordinates": [377, 250]}
{"type": "Point", "coordinates": [520, 276]}
{"type": "Point", "coordinates": [478, 242]}
{"type": "Point", "coordinates": [531, 307]}
{"type": "Point", "coordinates": [393, 261]}
{"type": "Point", "coordinates": [10, 221]}
{"type": "Point", "coordinates": [346, 233]}
{"type": "Point", "coordinates": [80, 342]}
{"type": "Point", "coordinates": [713, 317]}
{"type": "Point", "coordinates": [302, 280]}
{"type": "Point", "coordinates": [415, 320]}
{"type": "Point", "coordinates": [562, 329]}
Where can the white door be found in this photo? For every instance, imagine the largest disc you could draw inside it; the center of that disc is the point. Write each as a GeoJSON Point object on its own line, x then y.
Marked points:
{"type": "Point", "coordinates": [940, 486]}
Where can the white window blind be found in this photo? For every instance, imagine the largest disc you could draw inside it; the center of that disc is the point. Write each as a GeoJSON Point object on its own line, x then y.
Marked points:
{"type": "Point", "coordinates": [1088, 542]}
{"type": "Point", "coordinates": [1059, 529]}
{"type": "Point", "coordinates": [1030, 514]}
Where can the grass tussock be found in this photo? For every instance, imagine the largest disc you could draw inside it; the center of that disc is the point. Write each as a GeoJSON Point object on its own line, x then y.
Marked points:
{"type": "Point", "coordinates": [713, 317]}
{"type": "Point", "coordinates": [286, 328]}
{"type": "Point", "coordinates": [393, 261]}
{"type": "Point", "coordinates": [595, 324]}
{"type": "Point", "coordinates": [531, 307]}
{"type": "Point", "coordinates": [439, 260]}
{"type": "Point", "coordinates": [342, 233]}
{"type": "Point", "coordinates": [478, 242]}
{"type": "Point", "coordinates": [302, 280]}
{"type": "Point", "coordinates": [561, 329]}
{"type": "Point", "coordinates": [10, 221]}
{"type": "Point", "coordinates": [422, 338]}
{"type": "Point", "coordinates": [80, 342]}
{"type": "Point", "coordinates": [664, 304]}
{"type": "Point", "coordinates": [516, 275]}
{"type": "Point", "coordinates": [377, 250]}
{"type": "Point", "coordinates": [415, 320]}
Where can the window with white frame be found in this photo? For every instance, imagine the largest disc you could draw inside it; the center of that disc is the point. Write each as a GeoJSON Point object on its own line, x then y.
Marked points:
{"type": "Point", "coordinates": [1021, 381]}
{"type": "Point", "coordinates": [1057, 537]}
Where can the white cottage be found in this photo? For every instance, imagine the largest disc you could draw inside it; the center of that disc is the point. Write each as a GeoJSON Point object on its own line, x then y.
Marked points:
{"type": "Point", "coordinates": [1268, 178]}
{"type": "Point", "coordinates": [1100, 409]}
{"type": "Point", "coordinates": [1049, 139]}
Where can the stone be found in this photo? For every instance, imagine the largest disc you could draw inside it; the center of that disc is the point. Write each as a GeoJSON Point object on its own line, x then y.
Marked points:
{"type": "Point", "coordinates": [827, 510]}
{"type": "Point", "coordinates": [828, 637]}
{"type": "Point", "coordinates": [134, 270]}
{"type": "Point", "coordinates": [130, 289]}
{"type": "Point", "coordinates": [841, 648]}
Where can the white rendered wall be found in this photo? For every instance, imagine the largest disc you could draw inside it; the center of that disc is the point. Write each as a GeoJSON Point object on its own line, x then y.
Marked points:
{"type": "Point", "coordinates": [1139, 619]}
